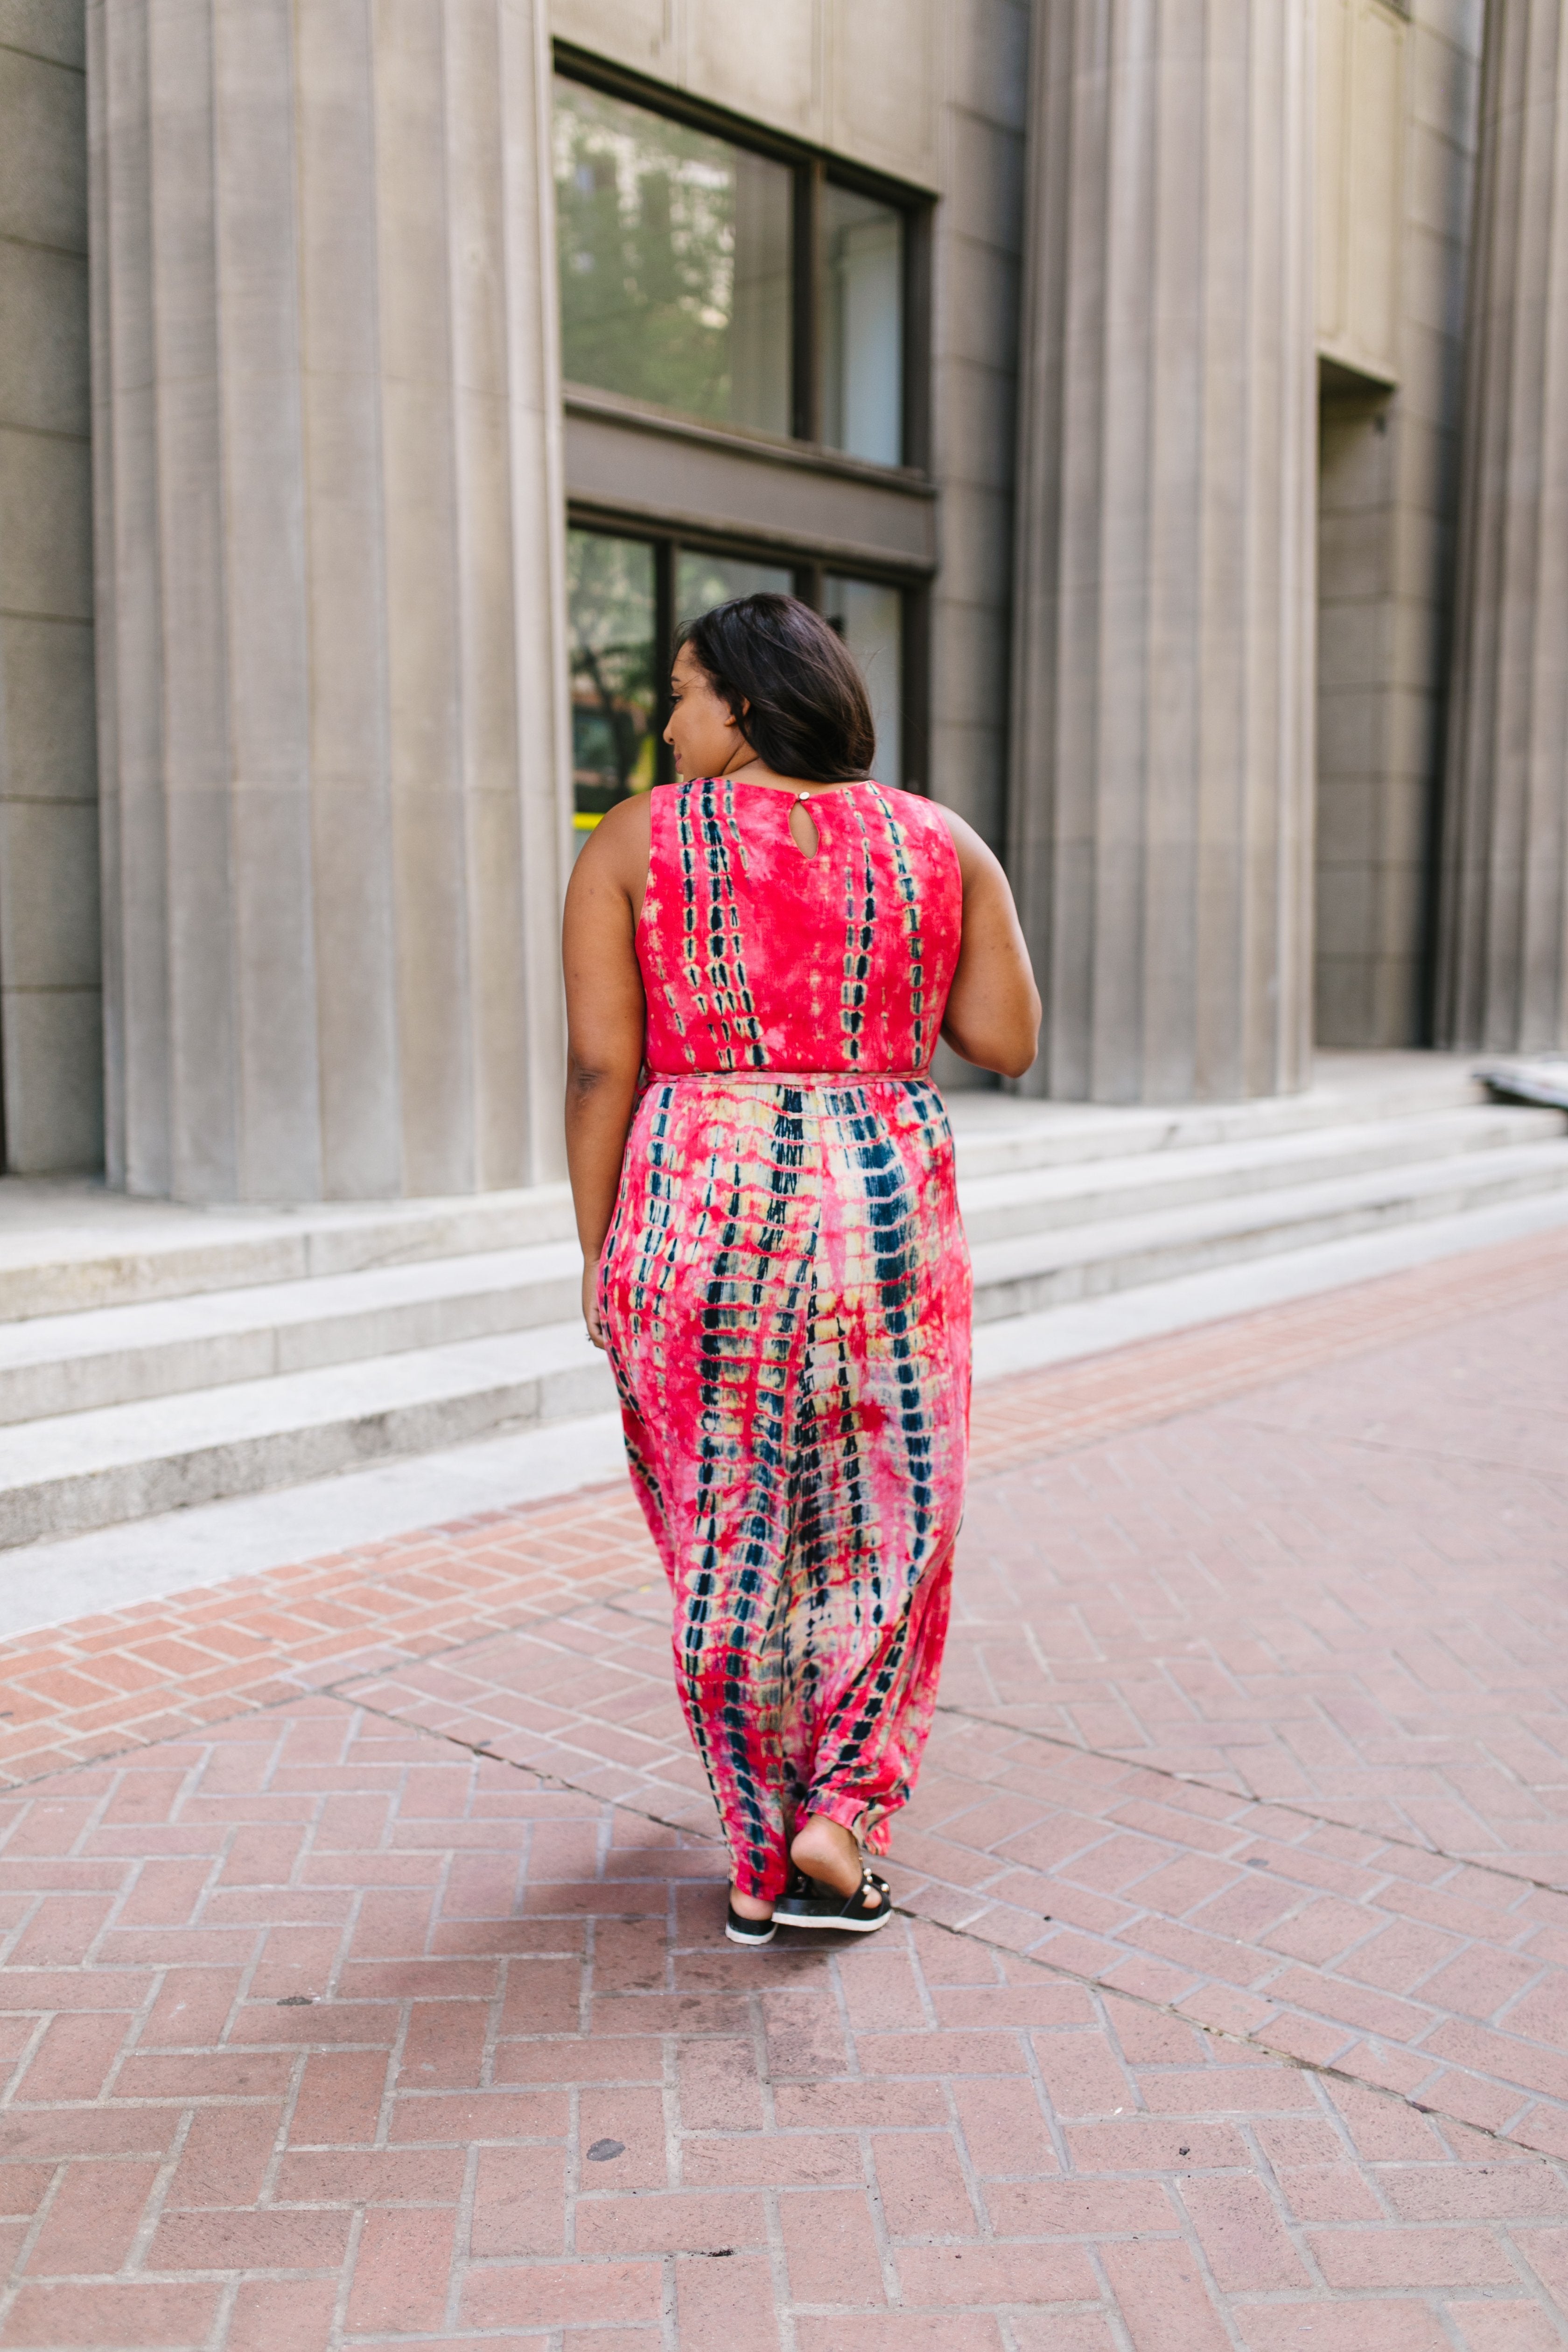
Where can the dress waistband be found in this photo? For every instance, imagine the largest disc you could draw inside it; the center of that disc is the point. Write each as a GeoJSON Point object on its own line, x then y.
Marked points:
{"type": "Point", "coordinates": [805, 1081]}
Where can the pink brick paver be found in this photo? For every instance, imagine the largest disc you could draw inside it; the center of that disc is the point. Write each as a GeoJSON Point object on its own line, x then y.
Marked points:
{"type": "Point", "coordinates": [370, 1992]}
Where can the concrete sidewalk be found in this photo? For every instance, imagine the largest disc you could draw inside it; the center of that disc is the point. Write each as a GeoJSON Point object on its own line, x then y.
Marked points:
{"type": "Point", "coordinates": [362, 1982]}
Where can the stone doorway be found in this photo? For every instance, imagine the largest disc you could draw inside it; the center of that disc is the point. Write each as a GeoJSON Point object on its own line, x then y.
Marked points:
{"type": "Point", "coordinates": [1376, 736]}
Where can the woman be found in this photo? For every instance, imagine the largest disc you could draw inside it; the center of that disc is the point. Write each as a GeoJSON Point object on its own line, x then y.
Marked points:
{"type": "Point", "coordinates": [759, 962]}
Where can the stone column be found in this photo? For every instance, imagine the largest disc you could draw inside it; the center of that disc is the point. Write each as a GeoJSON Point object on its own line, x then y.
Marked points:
{"type": "Point", "coordinates": [331, 675]}
{"type": "Point", "coordinates": [51, 1041]}
{"type": "Point", "coordinates": [1162, 763]}
{"type": "Point", "coordinates": [1502, 966]}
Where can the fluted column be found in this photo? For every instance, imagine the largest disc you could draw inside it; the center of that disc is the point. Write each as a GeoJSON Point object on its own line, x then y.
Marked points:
{"type": "Point", "coordinates": [330, 581]}
{"type": "Point", "coordinates": [1502, 981]}
{"type": "Point", "coordinates": [1162, 765]}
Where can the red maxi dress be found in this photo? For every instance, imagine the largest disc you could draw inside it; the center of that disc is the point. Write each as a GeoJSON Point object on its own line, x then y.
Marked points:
{"type": "Point", "coordinates": [785, 1292]}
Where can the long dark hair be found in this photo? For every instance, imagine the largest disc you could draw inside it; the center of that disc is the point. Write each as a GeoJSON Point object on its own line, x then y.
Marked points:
{"type": "Point", "coordinates": [794, 689]}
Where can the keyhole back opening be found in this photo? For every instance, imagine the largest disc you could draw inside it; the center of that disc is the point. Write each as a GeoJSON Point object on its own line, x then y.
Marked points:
{"type": "Point", "coordinates": [802, 829]}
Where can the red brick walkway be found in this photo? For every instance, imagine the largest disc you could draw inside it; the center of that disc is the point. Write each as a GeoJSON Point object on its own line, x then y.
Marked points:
{"type": "Point", "coordinates": [363, 1986]}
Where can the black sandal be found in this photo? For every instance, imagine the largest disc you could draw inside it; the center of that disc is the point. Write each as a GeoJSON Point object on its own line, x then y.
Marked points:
{"type": "Point", "coordinates": [806, 1902]}
{"type": "Point", "coordinates": [757, 1933]}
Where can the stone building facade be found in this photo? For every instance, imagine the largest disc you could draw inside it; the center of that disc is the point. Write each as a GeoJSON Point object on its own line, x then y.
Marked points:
{"type": "Point", "coordinates": [1162, 399]}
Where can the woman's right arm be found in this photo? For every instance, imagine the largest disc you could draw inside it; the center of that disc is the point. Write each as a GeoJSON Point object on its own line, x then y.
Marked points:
{"type": "Point", "coordinates": [993, 1016]}
{"type": "Point", "coordinates": [606, 1023]}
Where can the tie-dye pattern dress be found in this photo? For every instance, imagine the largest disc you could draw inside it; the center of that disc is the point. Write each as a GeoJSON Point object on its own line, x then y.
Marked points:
{"type": "Point", "coordinates": [785, 1291]}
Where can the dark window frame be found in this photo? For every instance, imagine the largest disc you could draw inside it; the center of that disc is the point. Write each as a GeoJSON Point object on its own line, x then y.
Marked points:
{"type": "Point", "coordinates": [808, 573]}
{"type": "Point", "coordinates": [812, 167]}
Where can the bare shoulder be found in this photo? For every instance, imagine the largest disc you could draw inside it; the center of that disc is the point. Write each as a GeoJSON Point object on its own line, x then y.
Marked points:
{"type": "Point", "coordinates": [977, 859]}
{"type": "Point", "coordinates": [614, 855]}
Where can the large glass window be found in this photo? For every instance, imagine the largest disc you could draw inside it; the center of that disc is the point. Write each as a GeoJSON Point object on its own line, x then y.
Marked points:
{"type": "Point", "coordinates": [869, 617]}
{"type": "Point", "coordinates": [703, 580]}
{"type": "Point", "coordinates": [675, 253]}
{"type": "Point", "coordinates": [625, 592]}
{"type": "Point", "coordinates": [613, 622]}
{"type": "Point", "coordinates": [728, 284]}
{"type": "Point", "coordinates": [861, 326]}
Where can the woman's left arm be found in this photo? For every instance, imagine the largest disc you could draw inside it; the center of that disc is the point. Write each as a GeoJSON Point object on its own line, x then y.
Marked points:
{"type": "Point", "coordinates": [606, 1017]}
{"type": "Point", "coordinates": [992, 1014]}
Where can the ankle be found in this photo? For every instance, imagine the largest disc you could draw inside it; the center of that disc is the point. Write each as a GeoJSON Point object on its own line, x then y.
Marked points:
{"type": "Point", "coordinates": [749, 1907]}
{"type": "Point", "coordinates": [826, 1850]}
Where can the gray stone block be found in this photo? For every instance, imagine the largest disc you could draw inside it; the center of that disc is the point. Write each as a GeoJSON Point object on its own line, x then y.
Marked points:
{"type": "Point", "coordinates": [1344, 999]}
{"type": "Point", "coordinates": [52, 29]}
{"type": "Point", "coordinates": [988, 45]}
{"type": "Point", "coordinates": [985, 201]}
{"type": "Point", "coordinates": [977, 303]}
{"type": "Point", "coordinates": [1445, 73]}
{"type": "Point", "coordinates": [882, 87]}
{"type": "Point", "coordinates": [1355, 555]}
{"type": "Point", "coordinates": [48, 895]}
{"type": "Point", "coordinates": [976, 541]}
{"type": "Point", "coordinates": [46, 526]}
{"type": "Point", "coordinates": [1349, 824]}
{"type": "Point", "coordinates": [637, 33]}
{"type": "Point", "coordinates": [970, 654]}
{"type": "Point", "coordinates": [49, 747]}
{"type": "Point", "coordinates": [976, 426]}
{"type": "Point", "coordinates": [43, 155]}
{"type": "Point", "coordinates": [1352, 728]}
{"type": "Point", "coordinates": [43, 338]}
{"type": "Point", "coordinates": [53, 1080]}
{"type": "Point", "coordinates": [969, 773]}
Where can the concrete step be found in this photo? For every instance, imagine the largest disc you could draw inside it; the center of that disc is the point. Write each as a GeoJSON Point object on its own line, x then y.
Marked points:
{"type": "Point", "coordinates": [997, 1134]}
{"type": "Point", "coordinates": [77, 1247]}
{"type": "Point", "coordinates": [69, 1246]}
{"type": "Point", "coordinates": [70, 1472]}
{"type": "Point", "coordinates": [1080, 1192]}
{"type": "Point", "coordinates": [83, 1470]}
{"type": "Point", "coordinates": [122, 1355]}
{"type": "Point", "coordinates": [103, 1357]}
{"type": "Point", "coordinates": [1023, 1274]}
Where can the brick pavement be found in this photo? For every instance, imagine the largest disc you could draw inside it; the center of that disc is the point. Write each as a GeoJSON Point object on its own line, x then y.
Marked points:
{"type": "Point", "coordinates": [1229, 2006]}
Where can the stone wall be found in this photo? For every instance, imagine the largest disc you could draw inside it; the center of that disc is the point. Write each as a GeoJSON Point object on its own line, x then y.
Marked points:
{"type": "Point", "coordinates": [1387, 512]}
{"type": "Point", "coordinates": [51, 1041]}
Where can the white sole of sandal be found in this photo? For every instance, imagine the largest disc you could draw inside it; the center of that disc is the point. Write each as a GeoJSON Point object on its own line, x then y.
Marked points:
{"type": "Point", "coordinates": [837, 1926]}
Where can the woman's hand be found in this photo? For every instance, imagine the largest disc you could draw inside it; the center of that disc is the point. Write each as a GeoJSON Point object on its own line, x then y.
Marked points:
{"type": "Point", "coordinates": [591, 1315]}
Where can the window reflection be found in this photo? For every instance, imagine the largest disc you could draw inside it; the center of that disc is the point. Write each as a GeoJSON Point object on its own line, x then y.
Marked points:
{"type": "Point", "coordinates": [703, 580]}
{"type": "Point", "coordinates": [862, 327]}
{"type": "Point", "coordinates": [617, 661]}
{"type": "Point", "coordinates": [673, 251]}
{"type": "Point", "coordinates": [611, 619]}
{"type": "Point", "coordinates": [869, 617]}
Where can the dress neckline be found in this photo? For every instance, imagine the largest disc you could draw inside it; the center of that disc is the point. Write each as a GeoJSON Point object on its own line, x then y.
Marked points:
{"type": "Point", "coordinates": [781, 792]}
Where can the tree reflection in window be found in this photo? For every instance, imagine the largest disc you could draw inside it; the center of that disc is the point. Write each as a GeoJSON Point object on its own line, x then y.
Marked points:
{"type": "Point", "coordinates": [675, 263]}
{"type": "Point", "coordinates": [611, 612]}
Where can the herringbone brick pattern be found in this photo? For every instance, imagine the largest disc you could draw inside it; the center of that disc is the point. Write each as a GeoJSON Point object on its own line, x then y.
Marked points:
{"type": "Point", "coordinates": [1342, 1593]}
{"type": "Point", "coordinates": [1018, 1419]}
{"type": "Point", "coordinates": [161, 1668]}
{"type": "Point", "coordinates": [324, 2033]}
{"type": "Point", "coordinates": [1228, 2007]}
